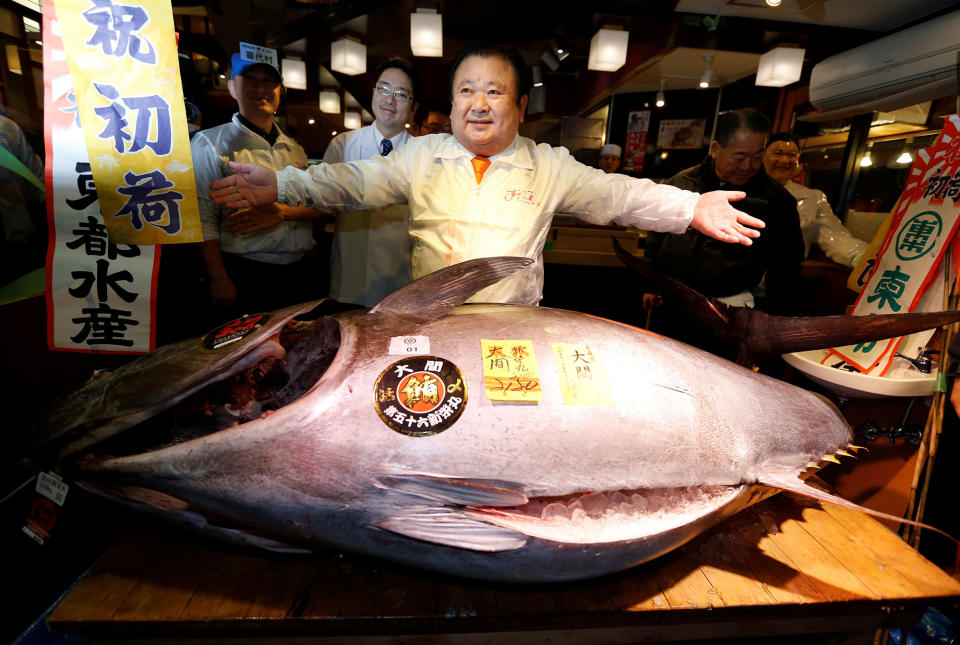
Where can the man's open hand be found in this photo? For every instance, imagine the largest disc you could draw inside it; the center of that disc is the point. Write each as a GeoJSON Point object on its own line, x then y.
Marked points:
{"type": "Point", "coordinates": [714, 216]}
{"type": "Point", "coordinates": [253, 185]}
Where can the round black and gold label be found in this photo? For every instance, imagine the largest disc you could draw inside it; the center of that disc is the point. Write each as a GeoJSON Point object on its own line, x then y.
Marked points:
{"type": "Point", "coordinates": [421, 395]}
{"type": "Point", "coordinates": [231, 332]}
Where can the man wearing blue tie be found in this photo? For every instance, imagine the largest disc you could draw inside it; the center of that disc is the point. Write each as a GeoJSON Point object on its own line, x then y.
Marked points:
{"type": "Point", "coordinates": [370, 257]}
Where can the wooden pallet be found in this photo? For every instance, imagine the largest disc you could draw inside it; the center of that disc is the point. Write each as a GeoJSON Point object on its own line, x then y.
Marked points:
{"type": "Point", "coordinates": [783, 566]}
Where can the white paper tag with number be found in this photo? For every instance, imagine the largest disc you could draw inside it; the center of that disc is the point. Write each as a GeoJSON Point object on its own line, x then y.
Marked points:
{"type": "Point", "coordinates": [409, 345]}
{"type": "Point", "coordinates": [49, 485]}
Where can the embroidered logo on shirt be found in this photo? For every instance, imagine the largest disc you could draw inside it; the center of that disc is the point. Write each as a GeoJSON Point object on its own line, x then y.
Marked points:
{"type": "Point", "coordinates": [525, 196]}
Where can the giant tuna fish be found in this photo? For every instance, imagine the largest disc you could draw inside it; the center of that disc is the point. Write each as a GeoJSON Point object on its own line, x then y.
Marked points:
{"type": "Point", "coordinates": [346, 431]}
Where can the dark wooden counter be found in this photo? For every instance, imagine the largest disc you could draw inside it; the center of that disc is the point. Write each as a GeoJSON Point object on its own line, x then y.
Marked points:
{"type": "Point", "coordinates": [783, 566]}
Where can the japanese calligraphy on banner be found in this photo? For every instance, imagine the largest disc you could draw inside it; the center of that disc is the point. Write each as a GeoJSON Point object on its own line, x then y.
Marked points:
{"type": "Point", "coordinates": [635, 150]}
{"type": "Point", "coordinates": [100, 294]}
{"type": "Point", "coordinates": [126, 74]}
{"type": "Point", "coordinates": [910, 258]}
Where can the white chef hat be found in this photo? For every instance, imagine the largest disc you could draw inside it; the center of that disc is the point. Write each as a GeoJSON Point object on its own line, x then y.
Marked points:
{"type": "Point", "coordinates": [610, 149]}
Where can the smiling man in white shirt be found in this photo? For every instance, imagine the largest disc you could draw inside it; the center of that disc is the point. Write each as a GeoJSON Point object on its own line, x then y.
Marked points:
{"type": "Point", "coordinates": [370, 256]}
{"type": "Point", "coordinates": [485, 190]}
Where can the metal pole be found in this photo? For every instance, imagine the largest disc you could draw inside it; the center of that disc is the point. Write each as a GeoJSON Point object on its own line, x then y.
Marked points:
{"type": "Point", "coordinates": [716, 114]}
{"type": "Point", "coordinates": [856, 144]}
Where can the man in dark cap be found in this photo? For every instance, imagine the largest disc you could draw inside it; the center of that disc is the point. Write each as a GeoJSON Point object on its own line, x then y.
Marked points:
{"type": "Point", "coordinates": [265, 270]}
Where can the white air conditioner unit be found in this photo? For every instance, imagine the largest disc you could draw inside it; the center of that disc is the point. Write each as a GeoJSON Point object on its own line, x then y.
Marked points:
{"type": "Point", "coordinates": [908, 67]}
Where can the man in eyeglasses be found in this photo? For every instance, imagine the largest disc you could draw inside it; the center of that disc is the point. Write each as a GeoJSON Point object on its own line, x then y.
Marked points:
{"type": "Point", "coordinates": [258, 271]}
{"type": "Point", "coordinates": [370, 256]}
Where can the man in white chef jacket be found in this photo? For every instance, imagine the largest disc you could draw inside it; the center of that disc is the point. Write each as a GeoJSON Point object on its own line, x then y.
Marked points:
{"type": "Point", "coordinates": [484, 190]}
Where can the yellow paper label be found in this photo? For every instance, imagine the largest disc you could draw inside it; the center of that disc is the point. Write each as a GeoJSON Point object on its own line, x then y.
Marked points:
{"type": "Point", "coordinates": [583, 379]}
{"type": "Point", "coordinates": [510, 370]}
{"type": "Point", "coordinates": [126, 76]}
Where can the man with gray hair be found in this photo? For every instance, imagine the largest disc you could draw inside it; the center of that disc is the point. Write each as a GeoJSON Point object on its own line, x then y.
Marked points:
{"type": "Point", "coordinates": [732, 272]}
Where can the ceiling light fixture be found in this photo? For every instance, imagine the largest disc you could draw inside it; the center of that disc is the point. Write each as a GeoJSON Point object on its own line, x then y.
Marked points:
{"type": "Point", "coordinates": [866, 160]}
{"type": "Point", "coordinates": [707, 72]}
{"type": "Point", "coordinates": [537, 75]}
{"type": "Point", "coordinates": [351, 120]}
{"type": "Point", "coordinates": [329, 101]}
{"type": "Point", "coordinates": [559, 52]}
{"type": "Point", "coordinates": [661, 97]}
{"type": "Point", "coordinates": [311, 121]}
{"type": "Point", "coordinates": [780, 66]}
{"type": "Point", "coordinates": [608, 49]}
{"type": "Point", "coordinates": [550, 61]}
{"type": "Point", "coordinates": [294, 72]}
{"type": "Point", "coordinates": [348, 56]}
{"type": "Point", "coordinates": [774, 3]}
{"type": "Point", "coordinates": [426, 33]}
{"type": "Point", "coordinates": [905, 156]}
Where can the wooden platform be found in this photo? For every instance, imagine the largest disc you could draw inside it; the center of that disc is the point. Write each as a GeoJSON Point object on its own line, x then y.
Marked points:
{"type": "Point", "coordinates": [783, 566]}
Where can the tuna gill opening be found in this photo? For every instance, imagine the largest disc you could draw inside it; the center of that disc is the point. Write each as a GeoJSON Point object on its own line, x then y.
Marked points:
{"type": "Point", "coordinates": [309, 347]}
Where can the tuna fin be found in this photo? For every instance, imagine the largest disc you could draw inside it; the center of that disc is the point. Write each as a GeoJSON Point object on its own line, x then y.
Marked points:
{"type": "Point", "coordinates": [435, 294]}
{"type": "Point", "coordinates": [454, 529]}
{"type": "Point", "coordinates": [800, 487]}
{"type": "Point", "coordinates": [455, 491]}
{"type": "Point", "coordinates": [713, 315]}
{"type": "Point", "coordinates": [753, 334]}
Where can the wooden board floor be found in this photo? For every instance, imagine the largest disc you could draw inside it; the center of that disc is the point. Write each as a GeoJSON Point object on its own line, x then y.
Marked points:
{"type": "Point", "coordinates": [783, 566]}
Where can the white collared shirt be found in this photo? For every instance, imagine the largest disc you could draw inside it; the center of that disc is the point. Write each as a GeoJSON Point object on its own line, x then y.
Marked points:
{"type": "Point", "coordinates": [452, 218]}
{"type": "Point", "coordinates": [361, 143]}
{"type": "Point", "coordinates": [212, 149]}
{"type": "Point", "coordinates": [370, 255]}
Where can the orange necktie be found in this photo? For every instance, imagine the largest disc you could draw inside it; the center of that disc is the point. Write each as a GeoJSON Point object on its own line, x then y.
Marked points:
{"type": "Point", "coordinates": [480, 165]}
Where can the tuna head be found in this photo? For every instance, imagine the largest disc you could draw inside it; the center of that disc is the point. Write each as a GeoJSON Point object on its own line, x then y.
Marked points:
{"type": "Point", "coordinates": [619, 444]}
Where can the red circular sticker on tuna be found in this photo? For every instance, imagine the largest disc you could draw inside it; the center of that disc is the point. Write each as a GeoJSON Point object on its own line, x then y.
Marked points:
{"type": "Point", "coordinates": [420, 395]}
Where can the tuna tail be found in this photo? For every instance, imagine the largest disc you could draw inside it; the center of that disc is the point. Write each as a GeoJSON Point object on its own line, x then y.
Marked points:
{"type": "Point", "coordinates": [752, 334]}
{"type": "Point", "coordinates": [796, 485]}
{"type": "Point", "coordinates": [436, 294]}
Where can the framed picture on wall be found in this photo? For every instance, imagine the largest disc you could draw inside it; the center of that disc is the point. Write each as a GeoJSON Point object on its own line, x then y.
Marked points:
{"type": "Point", "coordinates": [681, 134]}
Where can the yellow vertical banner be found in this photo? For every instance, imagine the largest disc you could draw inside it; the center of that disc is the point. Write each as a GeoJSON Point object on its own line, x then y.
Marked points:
{"type": "Point", "coordinates": [126, 75]}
